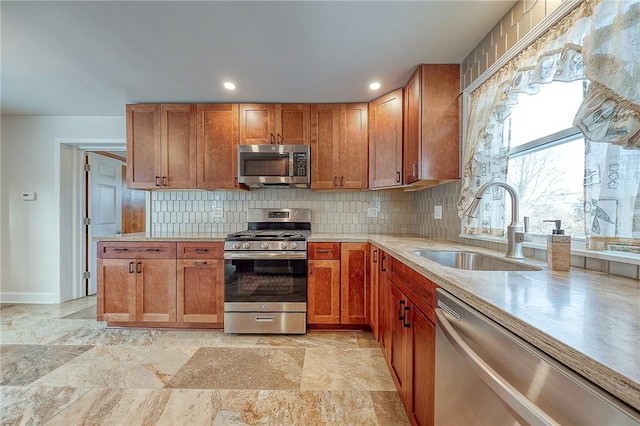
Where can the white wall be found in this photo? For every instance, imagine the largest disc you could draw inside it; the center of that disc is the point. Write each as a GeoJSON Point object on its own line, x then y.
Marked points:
{"type": "Point", "coordinates": [29, 253]}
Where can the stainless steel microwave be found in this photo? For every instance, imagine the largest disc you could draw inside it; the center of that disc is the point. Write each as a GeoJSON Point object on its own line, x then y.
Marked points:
{"type": "Point", "coordinates": [262, 166]}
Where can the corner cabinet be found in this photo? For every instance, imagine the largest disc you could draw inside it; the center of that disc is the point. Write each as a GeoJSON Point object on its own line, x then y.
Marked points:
{"type": "Point", "coordinates": [217, 148]}
{"type": "Point", "coordinates": [323, 283]}
{"type": "Point", "coordinates": [274, 124]}
{"type": "Point", "coordinates": [339, 145]}
{"type": "Point", "coordinates": [432, 124]}
{"type": "Point", "coordinates": [338, 286]}
{"type": "Point", "coordinates": [385, 141]}
{"type": "Point", "coordinates": [161, 146]}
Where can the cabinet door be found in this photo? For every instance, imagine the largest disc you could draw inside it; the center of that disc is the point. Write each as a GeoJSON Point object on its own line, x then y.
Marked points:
{"type": "Point", "coordinates": [354, 280]}
{"type": "Point", "coordinates": [398, 341]}
{"type": "Point", "coordinates": [421, 365]}
{"type": "Point", "coordinates": [385, 140]}
{"type": "Point", "coordinates": [178, 135]}
{"type": "Point", "coordinates": [156, 290]}
{"type": "Point", "coordinates": [323, 292]}
{"type": "Point", "coordinates": [200, 290]}
{"type": "Point", "coordinates": [257, 124]}
{"type": "Point", "coordinates": [374, 274]}
{"type": "Point", "coordinates": [325, 145]}
{"type": "Point", "coordinates": [116, 290]}
{"type": "Point", "coordinates": [385, 303]}
{"type": "Point", "coordinates": [143, 146]}
{"type": "Point", "coordinates": [412, 129]}
{"type": "Point", "coordinates": [353, 147]}
{"type": "Point", "coordinates": [217, 166]}
{"type": "Point", "coordinates": [292, 124]}
{"type": "Point", "coordinates": [440, 120]}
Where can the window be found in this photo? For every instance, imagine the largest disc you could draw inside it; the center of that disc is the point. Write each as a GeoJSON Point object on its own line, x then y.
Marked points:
{"type": "Point", "coordinates": [546, 157]}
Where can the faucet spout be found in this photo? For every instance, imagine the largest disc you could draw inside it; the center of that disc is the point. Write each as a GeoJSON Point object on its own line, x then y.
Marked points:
{"type": "Point", "coordinates": [515, 231]}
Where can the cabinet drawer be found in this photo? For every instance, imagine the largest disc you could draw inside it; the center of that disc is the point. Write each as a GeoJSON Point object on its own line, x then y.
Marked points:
{"type": "Point", "coordinates": [323, 251]}
{"type": "Point", "coordinates": [137, 250]}
{"type": "Point", "coordinates": [197, 250]}
{"type": "Point", "coordinates": [416, 282]}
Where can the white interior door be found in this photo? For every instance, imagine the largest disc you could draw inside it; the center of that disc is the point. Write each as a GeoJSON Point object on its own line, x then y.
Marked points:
{"type": "Point", "coordinates": [105, 205]}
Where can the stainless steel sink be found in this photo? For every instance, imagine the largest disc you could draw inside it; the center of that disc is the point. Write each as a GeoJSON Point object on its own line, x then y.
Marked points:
{"type": "Point", "coordinates": [473, 261]}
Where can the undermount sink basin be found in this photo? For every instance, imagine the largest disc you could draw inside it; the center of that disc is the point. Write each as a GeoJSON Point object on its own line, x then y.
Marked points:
{"type": "Point", "coordinates": [473, 261]}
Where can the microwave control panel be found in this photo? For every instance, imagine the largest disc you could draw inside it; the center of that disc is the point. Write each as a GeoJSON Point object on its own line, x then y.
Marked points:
{"type": "Point", "coordinates": [300, 164]}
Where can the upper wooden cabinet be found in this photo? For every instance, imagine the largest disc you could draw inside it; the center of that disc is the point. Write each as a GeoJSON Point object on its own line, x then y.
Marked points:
{"type": "Point", "coordinates": [217, 153]}
{"type": "Point", "coordinates": [339, 144]}
{"type": "Point", "coordinates": [432, 124]}
{"type": "Point", "coordinates": [385, 140]}
{"type": "Point", "coordinates": [274, 124]}
{"type": "Point", "coordinates": [161, 146]}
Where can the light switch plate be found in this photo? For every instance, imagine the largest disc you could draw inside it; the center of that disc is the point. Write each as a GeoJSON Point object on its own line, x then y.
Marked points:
{"type": "Point", "coordinates": [437, 212]}
{"type": "Point", "coordinates": [372, 212]}
{"type": "Point", "coordinates": [217, 212]}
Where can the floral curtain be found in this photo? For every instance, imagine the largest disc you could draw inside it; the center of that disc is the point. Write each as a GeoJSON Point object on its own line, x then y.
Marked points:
{"type": "Point", "coordinates": [599, 40]}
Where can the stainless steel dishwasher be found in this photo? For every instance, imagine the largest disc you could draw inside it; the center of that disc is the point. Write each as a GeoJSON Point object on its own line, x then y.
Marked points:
{"type": "Point", "coordinates": [485, 375]}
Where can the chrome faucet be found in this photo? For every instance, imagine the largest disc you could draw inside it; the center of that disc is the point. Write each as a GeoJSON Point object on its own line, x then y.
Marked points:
{"type": "Point", "coordinates": [516, 234]}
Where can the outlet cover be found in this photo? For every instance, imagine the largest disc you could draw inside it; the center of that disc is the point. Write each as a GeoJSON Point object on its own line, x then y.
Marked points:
{"type": "Point", "coordinates": [372, 212]}
{"type": "Point", "coordinates": [437, 212]}
{"type": "Point", "coordinates": [217, 212]}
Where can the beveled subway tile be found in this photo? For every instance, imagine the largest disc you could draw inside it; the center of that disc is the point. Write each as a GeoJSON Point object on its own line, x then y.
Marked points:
{"type": "Point", "coordinates": [313, 339]}
{"type": "Point", "coordinates": [120, 367]}
{"type": "Point", "coordinates": [241, 368]}
{"type": "Point", "coordinates": [345, 369]}
{"type": "Point", "coordinates": [22, 364]}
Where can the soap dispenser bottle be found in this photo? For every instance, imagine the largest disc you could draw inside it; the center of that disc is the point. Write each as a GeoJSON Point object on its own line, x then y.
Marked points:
{"type": "Point", "coordinates": [558, 248]}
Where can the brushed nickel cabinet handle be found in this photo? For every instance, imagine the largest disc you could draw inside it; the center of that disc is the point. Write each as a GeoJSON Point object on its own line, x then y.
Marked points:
{"type": "Point", "coordinates": [139, 267]}
{"type": "Point", "coordinates": [131, 271]}
{"type": "Point", "coordinates": [156, 180]}
{"type": "Point", "coordinates": [164, 181]}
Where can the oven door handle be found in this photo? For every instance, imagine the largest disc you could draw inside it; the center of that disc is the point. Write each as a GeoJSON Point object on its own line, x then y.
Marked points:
{"type": "Point", "coordinates": [262, 255]}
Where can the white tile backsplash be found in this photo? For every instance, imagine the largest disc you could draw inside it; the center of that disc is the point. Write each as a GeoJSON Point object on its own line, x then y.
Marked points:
{"type": "Point", "coordinates": [179, 212]}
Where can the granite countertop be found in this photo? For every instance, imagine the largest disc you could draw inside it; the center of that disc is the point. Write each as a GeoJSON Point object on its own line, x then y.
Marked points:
{"type": "Point", "coordinates": [587, 320]}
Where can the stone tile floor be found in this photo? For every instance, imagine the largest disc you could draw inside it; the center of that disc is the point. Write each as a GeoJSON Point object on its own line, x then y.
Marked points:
{"type": "Point", "coordinates": [59, 366]}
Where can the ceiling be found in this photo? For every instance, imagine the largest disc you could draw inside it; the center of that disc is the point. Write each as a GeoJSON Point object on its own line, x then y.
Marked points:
{"type": "Point", "coordinates": [93, 57]}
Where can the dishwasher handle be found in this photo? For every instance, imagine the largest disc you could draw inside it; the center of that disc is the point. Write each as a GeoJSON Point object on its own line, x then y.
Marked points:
{"type": "Point", "coordinates": [522, 407]}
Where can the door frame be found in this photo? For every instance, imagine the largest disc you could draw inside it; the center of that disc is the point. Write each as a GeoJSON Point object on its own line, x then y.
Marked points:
{"type": "Point", "coordinates": [68, 230]}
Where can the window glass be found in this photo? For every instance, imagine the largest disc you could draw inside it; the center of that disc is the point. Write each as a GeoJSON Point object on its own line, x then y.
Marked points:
{"type": "Point", "coordinates": [550, 110]}
{"type": "Point", "coordinates": [550, 185]}
{"type": "Point", "coordinates": [548, 174]}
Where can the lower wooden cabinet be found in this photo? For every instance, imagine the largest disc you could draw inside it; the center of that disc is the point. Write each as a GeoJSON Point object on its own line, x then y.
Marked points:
{"type": "Point", "coordinates": [323, 292]}
{"type": "Point", "coordinates": [200, 282]}
{"type": "Point", "coordinates": [338, 284]}
{"type": "Point", "coordinates": [168, 283]}
{"type": "Point", "coordinates": [354, 283]}
{"type": "Point", "coordinates": [137, 290]}
{"type": "Point", "coordinates": [410, 348]}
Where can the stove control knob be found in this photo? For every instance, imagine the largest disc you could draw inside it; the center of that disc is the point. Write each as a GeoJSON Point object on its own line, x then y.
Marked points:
{"type": "Point", "coordinates": [294, 245]}
{"type": "Point", "coordinates": [283, 245]}
{"type": "Point", "coordinates": [245, 246]}
{"type": "Point", "coordinates": [265, 246]}
{"type": "Point", "coordinates": [236, 245]}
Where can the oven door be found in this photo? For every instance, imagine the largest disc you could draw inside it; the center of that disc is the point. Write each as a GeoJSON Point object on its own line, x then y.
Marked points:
{"type": "Point", "coordinates": [265, 278]}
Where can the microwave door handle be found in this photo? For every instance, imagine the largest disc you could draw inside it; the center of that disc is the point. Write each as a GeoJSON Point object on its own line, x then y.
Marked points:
{"type": "Point", "coordinates": [291, 171]}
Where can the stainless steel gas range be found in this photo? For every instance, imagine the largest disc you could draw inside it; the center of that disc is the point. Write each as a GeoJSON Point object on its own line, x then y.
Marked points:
{"type": "Point", "coordinates": [265, 273]}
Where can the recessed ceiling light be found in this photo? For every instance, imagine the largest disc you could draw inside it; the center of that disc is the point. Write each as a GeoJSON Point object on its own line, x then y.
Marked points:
{"type": "Point", "coordinates": [229, 86]}
{"type": "Point", "coordinates": [374, 86]}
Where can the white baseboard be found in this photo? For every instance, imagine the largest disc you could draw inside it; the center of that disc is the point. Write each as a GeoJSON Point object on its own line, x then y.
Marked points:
{"type": "Point", "coordinates": [38, 298]}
